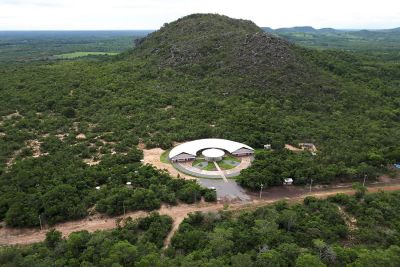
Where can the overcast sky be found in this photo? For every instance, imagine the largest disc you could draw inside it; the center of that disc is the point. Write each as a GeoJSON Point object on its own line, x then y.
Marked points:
{"type": "Point", "coordinates": [151, 14]}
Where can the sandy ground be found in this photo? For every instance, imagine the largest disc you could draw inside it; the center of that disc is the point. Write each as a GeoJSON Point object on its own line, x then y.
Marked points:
{"type": "Point", "coordinates": [35, 146]}
{"type": "Point", "coordinates": [152, 156]}
{"type": "Point", "coordinates": [11, 236]}
{"type": "Point", "coordinates": [81, 136]}
{"type": "Point", "coordinates": [300, 148]}
{"type": "Point", "coordinates": [292, 148]}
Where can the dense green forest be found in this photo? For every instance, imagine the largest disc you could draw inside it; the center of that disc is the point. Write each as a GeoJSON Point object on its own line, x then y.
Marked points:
{"type": "Point", "coordinates": [59, 186]}
{"type": "Point", "coordinates": [200, 76]}
{"type": "Point", "coordinates": [362, 230]}
{"type": "Point", "coordinates": [23, 46]}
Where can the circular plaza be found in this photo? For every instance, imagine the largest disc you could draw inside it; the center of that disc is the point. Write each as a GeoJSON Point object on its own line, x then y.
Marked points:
{"type": "Point", "coordinates": [211, 158]}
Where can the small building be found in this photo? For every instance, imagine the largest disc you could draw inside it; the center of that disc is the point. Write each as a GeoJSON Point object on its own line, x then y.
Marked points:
{"type": "Point", "coordinates": [183, 157]}
{"type": "Point", "coordinates": [288, 181]}
{"type": "Point", "coordinates": [243, 152]}
{"type": "Point", "coordinates": [267, 146]}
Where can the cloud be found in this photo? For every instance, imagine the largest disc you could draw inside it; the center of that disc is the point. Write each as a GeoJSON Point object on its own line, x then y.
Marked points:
{"type": "Point", "coordinates": [151, 14]}
{"type": "Point", "coordinates": [38, 3]}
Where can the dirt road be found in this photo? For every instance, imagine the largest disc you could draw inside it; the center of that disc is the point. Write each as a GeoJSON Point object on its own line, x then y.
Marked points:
{"type": "Point", "coordinates": [10, 236]}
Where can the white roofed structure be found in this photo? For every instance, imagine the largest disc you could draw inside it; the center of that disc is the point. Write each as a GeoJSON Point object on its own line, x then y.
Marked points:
{"type": "Point", "coordinates": [189, 150]}
{"type": "Point", "coordinates": [213, 154]}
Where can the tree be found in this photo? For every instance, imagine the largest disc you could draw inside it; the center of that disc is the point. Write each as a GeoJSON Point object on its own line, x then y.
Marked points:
{"type": "Point", "coordinates": [69, 112]}
{"type": "Point", "coordinates": [210, 195]}
{"type": "Point", "coordinates": [270, 258]}
{"type": "Point", "coordinates": [77, 242]}
{"type": "Point", "coordinates": [53, 237]}
{"type": "Point", "coordinates": [360, 190]}
{"type": "Point", "coordinates": [288, 219]}
{"type": "Point", "coordinates": [123, 253]}
{"type": "Point", "coordinates": [220, 241]}
{"type": "Point", "coordinates": [63, 202]}
{"type": "Point", "coordinates": [190, 193]}
{"type": "Point", "coordinates": [23, 211]}
{"type": "Point", "coordinates": [379, 257]}
{"type": "Point", "coordinates": [309, 260]}
{"type": "Point", "coordinates": [240, 260]}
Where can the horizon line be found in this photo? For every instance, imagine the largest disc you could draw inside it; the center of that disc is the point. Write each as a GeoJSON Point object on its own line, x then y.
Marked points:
{"type": "Point", "coordinates": [151, 30]}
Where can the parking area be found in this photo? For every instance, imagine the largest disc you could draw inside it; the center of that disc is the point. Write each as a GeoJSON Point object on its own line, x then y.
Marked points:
{"type": "Point", "coordinates": [226, 191]}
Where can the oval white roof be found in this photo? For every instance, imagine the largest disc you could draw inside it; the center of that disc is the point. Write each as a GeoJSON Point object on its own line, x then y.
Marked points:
{"type": "Point", "coordinates": [193, 147]}
{"type": "Point", "coordinates": [213, 153]}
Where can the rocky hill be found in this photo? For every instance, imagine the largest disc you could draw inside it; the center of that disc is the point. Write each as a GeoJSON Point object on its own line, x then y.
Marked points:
{"type": "Point", "coordinates": [209, 45]}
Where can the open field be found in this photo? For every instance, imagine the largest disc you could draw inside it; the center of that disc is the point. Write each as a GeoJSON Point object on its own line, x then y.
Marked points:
{"type": "Point", "coordinates": [84, 54]}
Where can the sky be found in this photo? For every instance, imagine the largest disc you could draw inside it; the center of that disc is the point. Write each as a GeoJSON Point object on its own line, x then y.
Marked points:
{"type": "Point", "coordinates": [152, 14]}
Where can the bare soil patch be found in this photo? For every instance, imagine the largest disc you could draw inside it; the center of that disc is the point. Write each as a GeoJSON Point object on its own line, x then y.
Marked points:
{"type": "Point", "coordinates": [35, 146]}
{"type": "Point", "coordinates": [292, 148]}
{"type": "Point", "coordinates": [92, 161]}
{"type": "Point", "coordinates": [13, 115]}
{"type": "Point", "coordinates": [153, 157]}
{"type": "Point", "coordinates": [11, 160]}
{"type": "Point", "coordinates": [168, 107]}
{"type": "Point", "coordinates": [81, 136]}
{"type": "Point", "coordinates": [61, 136]}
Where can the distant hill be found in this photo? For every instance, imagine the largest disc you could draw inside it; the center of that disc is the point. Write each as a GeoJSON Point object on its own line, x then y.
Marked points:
{"type": "Point", "coordinates": [306, 29]}
{"type": "Point", "coordinates": [309, 29]}
{"type": "Point", "coordinates": [342, 39]}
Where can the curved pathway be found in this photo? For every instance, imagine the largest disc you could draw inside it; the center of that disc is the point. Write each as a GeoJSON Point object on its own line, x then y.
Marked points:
{"type": "Point", "coordinates": [187, 168]}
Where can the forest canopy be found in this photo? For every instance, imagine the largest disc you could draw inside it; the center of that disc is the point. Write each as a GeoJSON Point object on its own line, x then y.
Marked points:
{"type": "Point", "coordinates": [69, 126]}
{"type": "Point", "coordinates": [339, 231]}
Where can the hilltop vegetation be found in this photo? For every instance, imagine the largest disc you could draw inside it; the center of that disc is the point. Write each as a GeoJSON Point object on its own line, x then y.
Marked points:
{"type": "Point", "coordinates": [341, 231]}
{"type": "Point", "coordinates": [201, 76]}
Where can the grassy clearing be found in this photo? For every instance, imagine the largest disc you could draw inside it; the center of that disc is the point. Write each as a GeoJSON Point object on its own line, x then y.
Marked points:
{"type": "Point", "coordinates": [84, 54]}
{"type": "Point", "coordinates": [197, 161]}
{"type": "Point", "coordinates": [164, 156]}
{"type": "Point", "coordinates": [230, 157]}
{"type": "Point", "coordinates": [225, 166]}
{"type": "Point", "coordinates": [210, 167]}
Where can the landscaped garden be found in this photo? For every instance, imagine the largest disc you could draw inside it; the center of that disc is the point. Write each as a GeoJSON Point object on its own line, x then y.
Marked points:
{"type": "Point", "coordinates": [228, 162]}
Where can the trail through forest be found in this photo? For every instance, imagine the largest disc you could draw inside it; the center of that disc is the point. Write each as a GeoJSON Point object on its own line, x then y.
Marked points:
{"type": "Point", "coordinates": [22, 236]}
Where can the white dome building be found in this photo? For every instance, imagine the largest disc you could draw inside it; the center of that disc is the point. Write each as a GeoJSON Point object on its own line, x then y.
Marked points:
{"type": "Point", "coordinates": [213, 150]}
{"type": "Point", "coordinates": [213, 154]}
